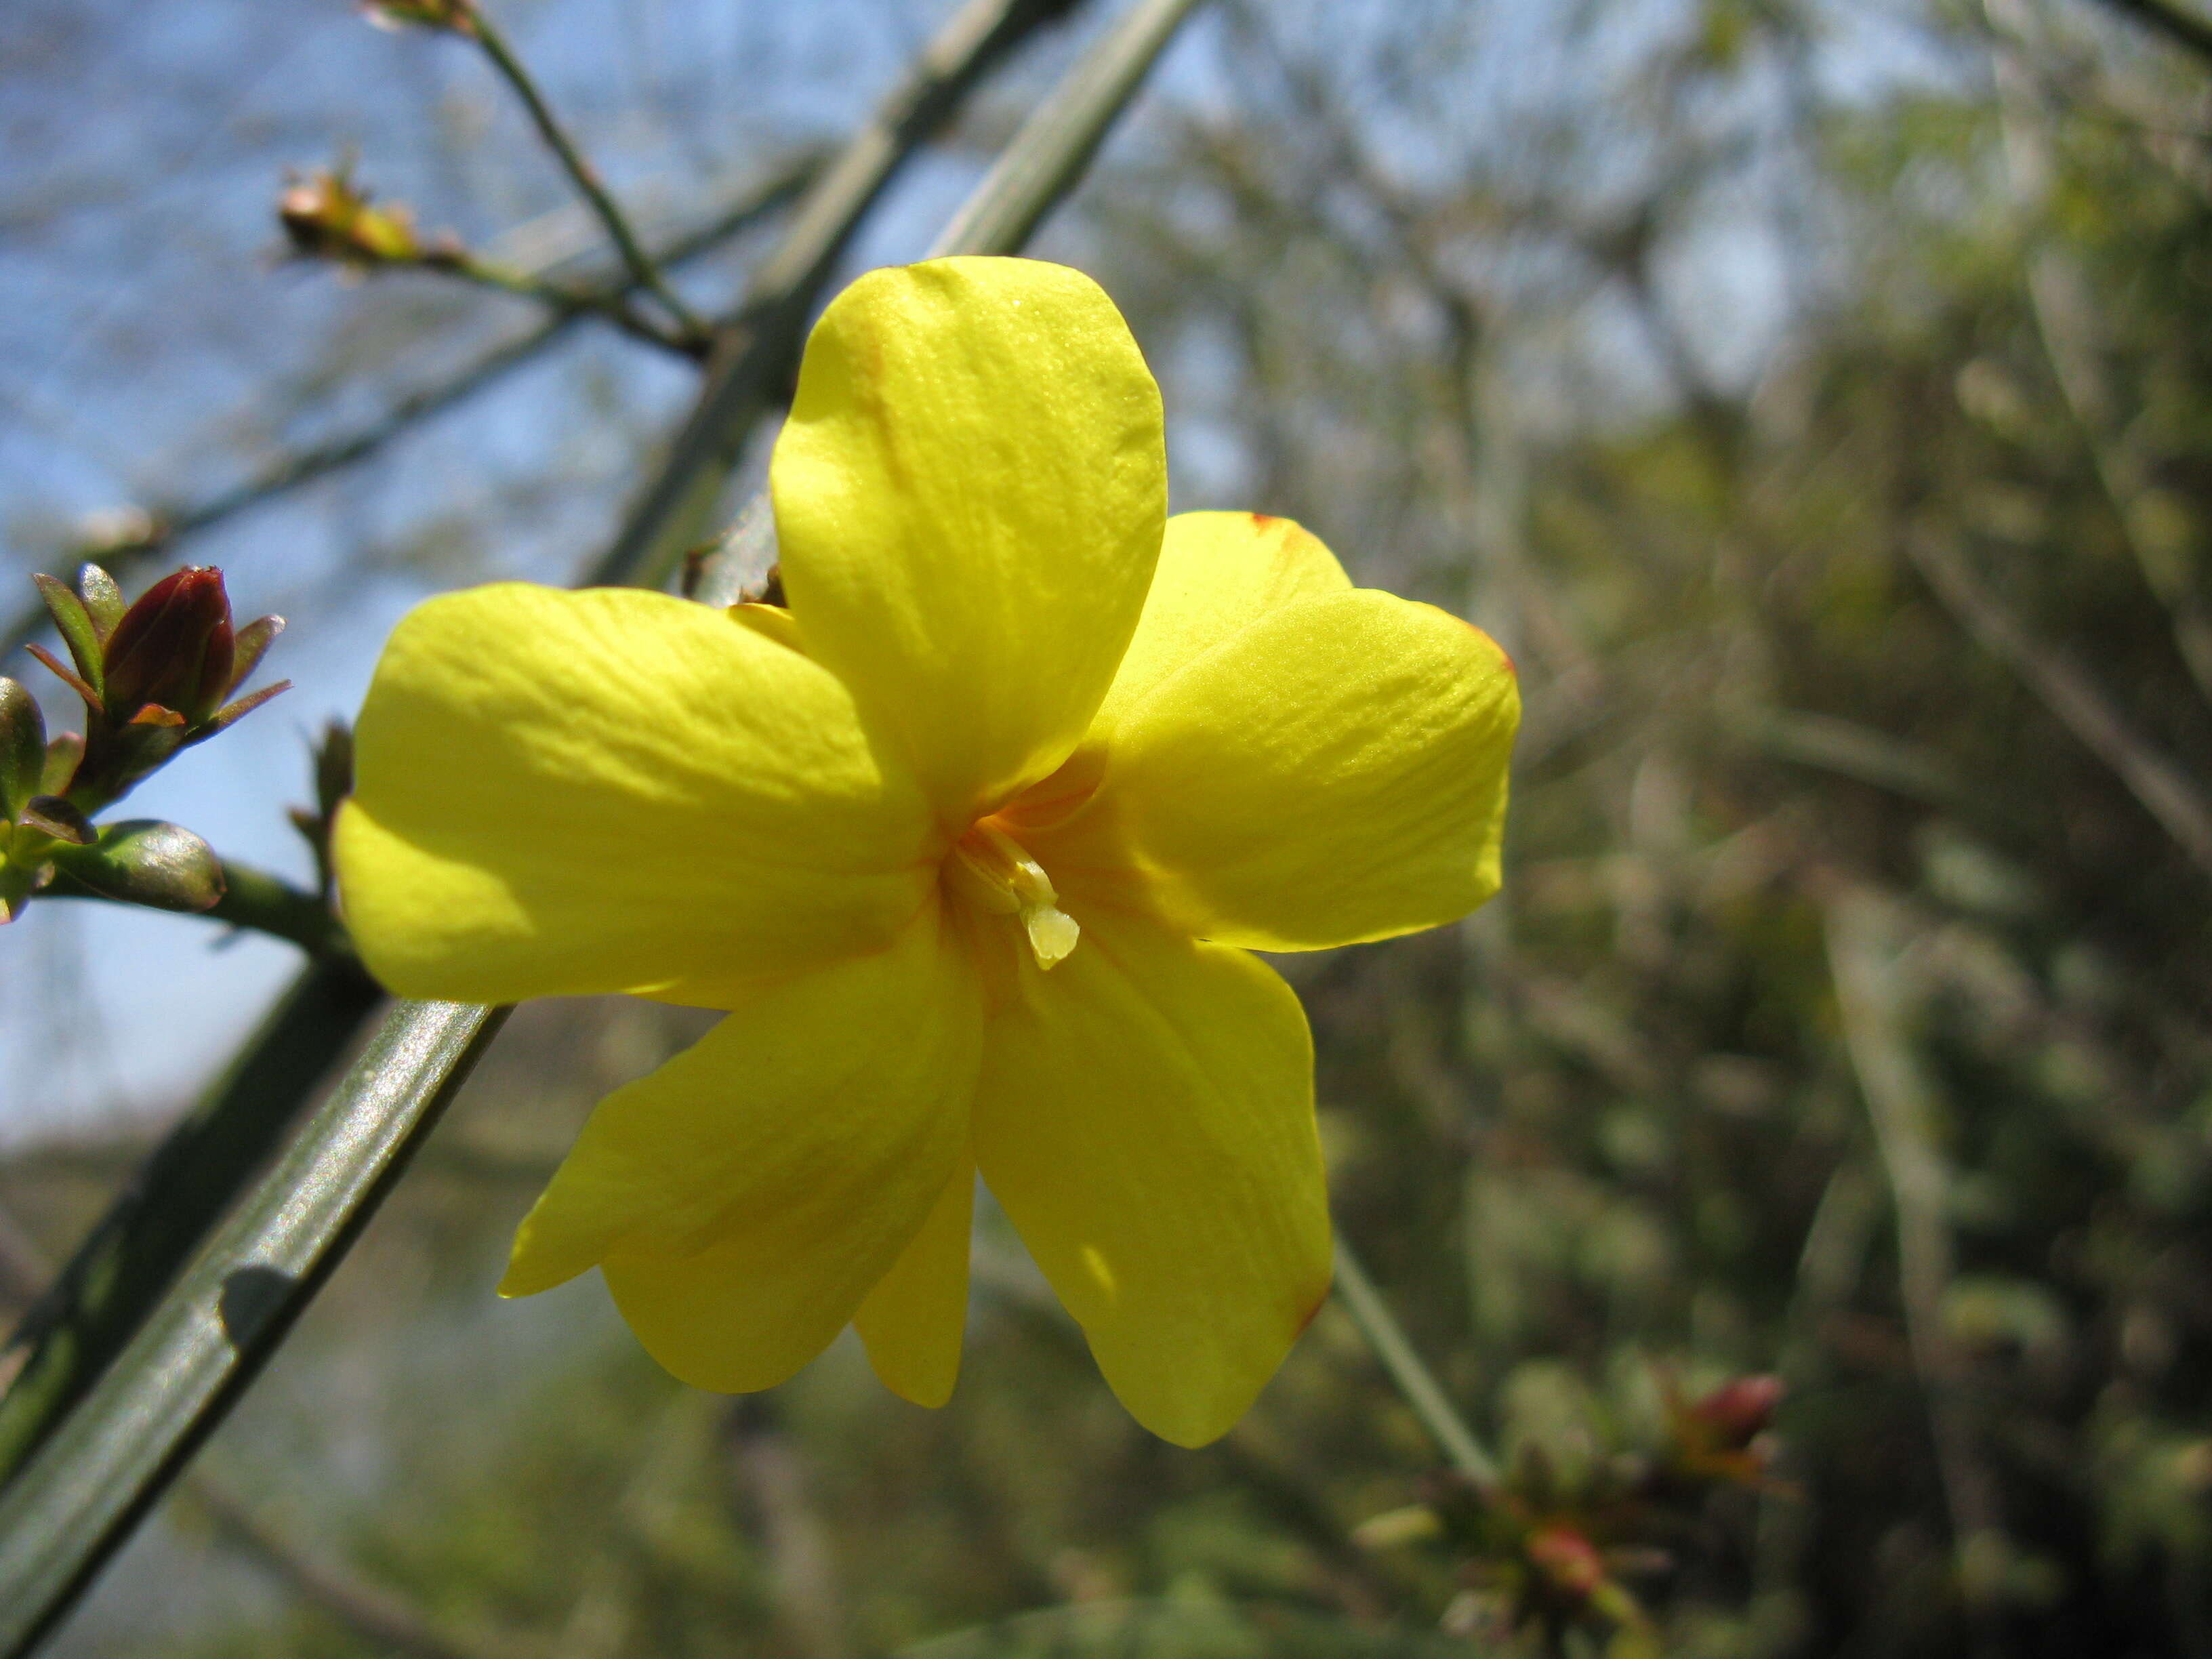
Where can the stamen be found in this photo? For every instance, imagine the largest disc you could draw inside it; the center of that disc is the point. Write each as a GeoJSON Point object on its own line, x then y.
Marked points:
{"type": "Point", "coordinates": [991, 868]}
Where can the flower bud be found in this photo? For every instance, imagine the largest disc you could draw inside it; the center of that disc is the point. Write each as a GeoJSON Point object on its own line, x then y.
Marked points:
{"type": "Point", "coordinates": [326, 218]}
{"type": "Point", "coordinates": [458, 15]}
{"type": "Point", "coordinates": [1738, 1413]}
{"type": "Point", "coordinates": [172, 650]}
{"type": "Point", "coordinates": [1568, 1562]}
{"type": "Point", "coordinates": [145, 861]}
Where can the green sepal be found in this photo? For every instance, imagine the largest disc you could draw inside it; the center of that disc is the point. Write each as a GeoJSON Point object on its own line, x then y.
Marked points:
{"type": "Point", "coordinates": [17, 882]}
{"type": "Point", "coordinates": [22, 747]}
{"type": "Point", "coordinates": [102, 599]}
{"type": "Point", "coordinates": [64, 752]}
{"type": "Point", "coordinates": [252, 640]}
{"type": "Point", "coordinates": [77, 632]}
{"type": "Point", "coordinates": [231, 713]}
{"type": "Point", "coordinates": [333, 768]}
{"type": "Point", "coordinates": [55, 818]}
{"type": "Point", "coordinates": [146, 861]}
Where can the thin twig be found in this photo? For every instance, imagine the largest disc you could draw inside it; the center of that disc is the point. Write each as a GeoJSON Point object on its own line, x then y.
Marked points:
{"type": "Point", "coordinates": [1049, 155]}
{"type": "Point", "coordinates": [388, 1620]}
{"type": "Point", "coordinates": [646, 273]}
{"type": "Point", "coordinates": [558, 297]}
{"type": "Point", "coordinates": [1356, 1292]}
{"type": "Point", "coordinates": [2166, 791]}
{"type": "Point", "coordinates": [1864, 937]}
{"type": "Point", "coordinates": [773, 1486]}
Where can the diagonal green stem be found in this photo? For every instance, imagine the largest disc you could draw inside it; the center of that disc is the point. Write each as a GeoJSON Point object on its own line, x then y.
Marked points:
{"type": "Point", "coordinates": [109, 1286]}
{"type": "Point", "coordinates": [1356, 1292]}
{"type": "Point", "coordinates": [107, 1464]}
{"type": "Point", "coordinates": [586, 177]}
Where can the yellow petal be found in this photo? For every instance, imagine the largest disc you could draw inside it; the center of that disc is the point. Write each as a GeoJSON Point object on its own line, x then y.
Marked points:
{"type": "Point", "coordinates": [1218, 573]}
{"type": "Point", "coordinates": [744, 1197]}
{"type": "Point", "coordinates": [613, 790]}
{"type": "Point", "coordinates": [969, 500]}
{"type": "Point", "coordinates": [1146, 1115]}
{"type": "Point", "coordinates": [913, 1319]}
{"type": "Point", "coordinates": [1334, 772]}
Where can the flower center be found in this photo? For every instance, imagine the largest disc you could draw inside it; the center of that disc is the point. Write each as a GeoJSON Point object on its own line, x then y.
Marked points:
{"type": "Point", "coordinates": [991, 870]}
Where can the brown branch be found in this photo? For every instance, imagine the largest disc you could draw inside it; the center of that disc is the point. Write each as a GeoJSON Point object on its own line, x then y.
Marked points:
{"type": "Point", "coordinates": [377, 1614]}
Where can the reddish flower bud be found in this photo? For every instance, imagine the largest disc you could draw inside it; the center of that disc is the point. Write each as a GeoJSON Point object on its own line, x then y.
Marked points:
{"type": "Point", "coordinates": [1738, 1413]}
{"type": "Point", "coordinates": [173, 649]}
{"type": "Point", "coordinates": [1569, 1562]}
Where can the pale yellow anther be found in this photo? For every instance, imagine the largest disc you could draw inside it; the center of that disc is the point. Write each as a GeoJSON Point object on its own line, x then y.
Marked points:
{"type": "Point", "coordinates": [992, 870]}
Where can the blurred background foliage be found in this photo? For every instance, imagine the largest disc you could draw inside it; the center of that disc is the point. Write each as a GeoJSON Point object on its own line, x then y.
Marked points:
{"type": "Point", "coordinates": [1815, 398]}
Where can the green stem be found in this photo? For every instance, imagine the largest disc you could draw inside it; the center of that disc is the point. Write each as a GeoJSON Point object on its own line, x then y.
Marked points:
{"type": "Point", "coordinates": [581, 172]}
{"type": "Point", "coordinates": [1360, 1298]}
{"type": "Point", "coordinates": [257, 901]}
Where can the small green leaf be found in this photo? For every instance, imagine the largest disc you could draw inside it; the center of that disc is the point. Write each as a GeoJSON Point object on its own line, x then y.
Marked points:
{"type": "Point", "coordinates": [102, 599]}
{"type": "Point", "coordinates": [77, 632]}
{"type": "Point", "coordinates": [22, 746]}
{"type": "Point", "coordinates": [146, 861]}
{"type": "Point", "coordinates": [68, 676]}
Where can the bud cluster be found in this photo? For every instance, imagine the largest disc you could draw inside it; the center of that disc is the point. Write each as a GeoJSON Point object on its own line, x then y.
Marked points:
{"type": "Point", "coordinates": [1541, 1552]}
{"type": "Point", "coordinates": [155, 677]}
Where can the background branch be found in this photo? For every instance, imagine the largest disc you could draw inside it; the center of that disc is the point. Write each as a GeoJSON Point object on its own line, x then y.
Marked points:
{"type": "Point", "coordinates": [642, 269]}
{"type": "Point", "coordinates": [279, 477]}
{"type": "Point", "coordinates": [2166, 791]}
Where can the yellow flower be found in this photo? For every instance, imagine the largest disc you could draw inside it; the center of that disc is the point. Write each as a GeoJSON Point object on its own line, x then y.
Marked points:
{"type": "Point", "coordinates": [972, 841]}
